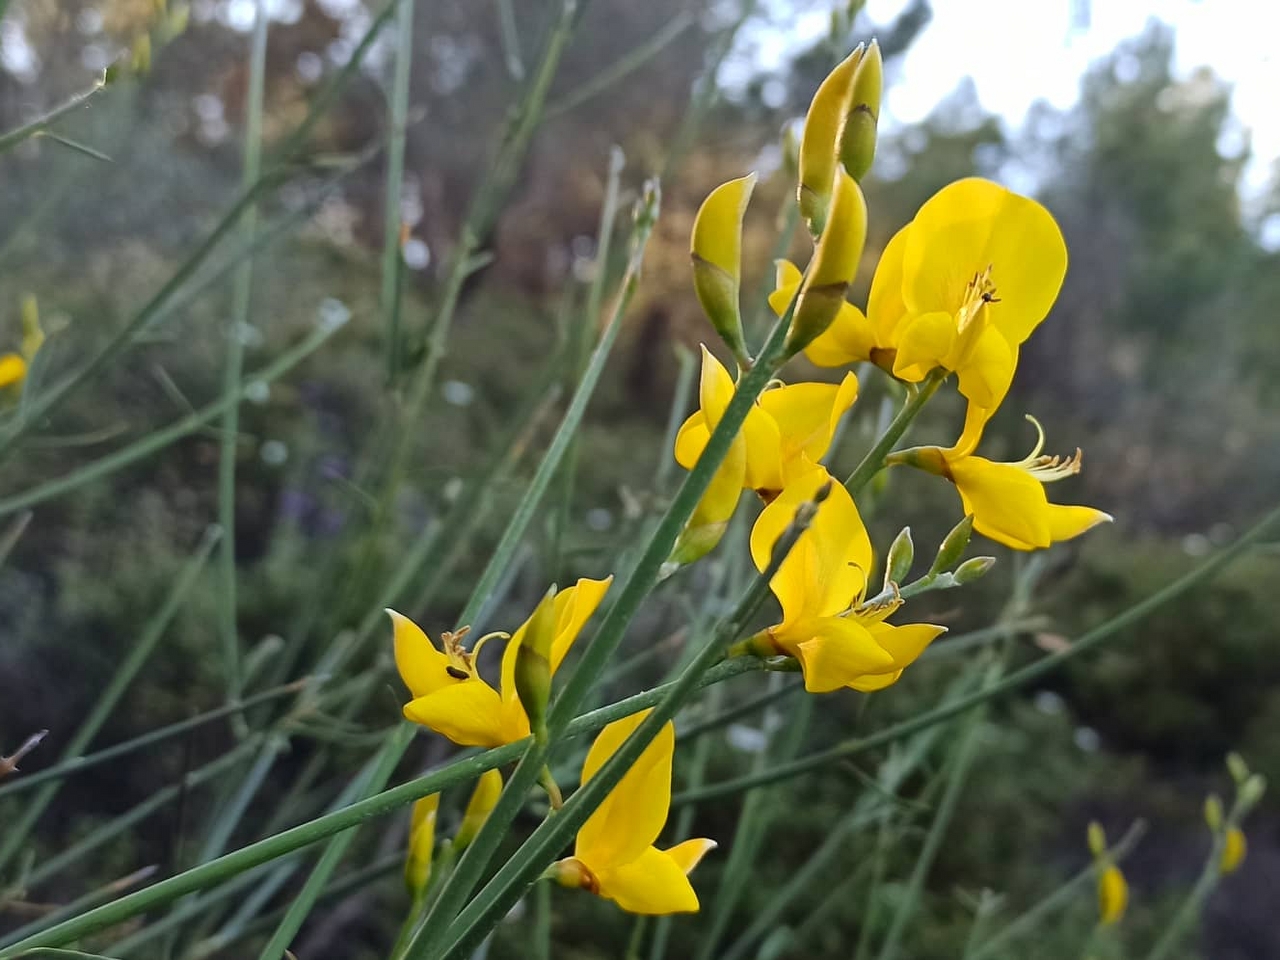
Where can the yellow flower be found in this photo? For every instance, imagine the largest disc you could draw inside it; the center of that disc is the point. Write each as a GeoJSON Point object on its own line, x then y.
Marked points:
{"type": "Point", "coordinates": [483, 799]}
{"type": "Point", "coordinates": [448, 694]}
{"type": "Point", "coordinates": [960, 287]}
{"type": "Point", "coordinates": [13, 369]}
{"type": "Point", "coordinates": [1234, 849]}
{"type": "Point", "coordinates": [821, 585]}
{"type": "Point", "coordinates": [788, 424]}
{"type": "Point", "coordinates": [614, 856]}
{"type": "Point", "coordinates": [1113, 895]}
{"type": "Point", "coordinates": [716, 251]}
{"type": "Point", "coordinates": [422, 843]}
{"type": "Point", "coordinates": [847, 339]}
{"type": "Point", "coordinates": [1007, 500]}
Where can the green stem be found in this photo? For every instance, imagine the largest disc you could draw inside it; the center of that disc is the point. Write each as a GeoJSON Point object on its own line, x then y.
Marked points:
{"type": "Point", "coordinates": [873, 462]}
{"type": "Point", "coordinates": [158, 439]}
{"type": "Point", "coordinates": [624, 66]}
{"type": "Point", "coordinates": [957, 776]}
{"type": "Point", "coordinates": [1189, 910]}
{"type": "Point", "coordinates": [73, 765]}
{"type": "Point", "coordinates": [1032, 920]}
{"type": "Point", "coordinates": [510, 36]}
{"type": "Point", "coordinates": [392, 256]}
{"type": "Point", "coordinates": [238, 328]}
{"type": "Point", "coordinates": [1089, 641]}
{"type": "Point", "coordinates": [525, 866]}
{"type": "Point", "coordinates": [123, 339]}
{"type": "Point", "coordinates": [14, 137]}
{"type": "Point", "coordinates": [15, 833]}
{"type": "Point", "coordinates": [463, 770]}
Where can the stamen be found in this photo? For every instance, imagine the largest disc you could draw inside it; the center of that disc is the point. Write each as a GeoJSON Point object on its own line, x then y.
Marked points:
{"type": "Point", "coordinates": [475, 649]}
{"type": "Point", "coordinates": [979, 292]}
{"type": "Point", "coordinates": [1047, 469]}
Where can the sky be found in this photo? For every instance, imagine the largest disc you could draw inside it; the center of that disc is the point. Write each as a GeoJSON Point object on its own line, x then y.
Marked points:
{"type": "Point", "coordinates": [1021, 51]}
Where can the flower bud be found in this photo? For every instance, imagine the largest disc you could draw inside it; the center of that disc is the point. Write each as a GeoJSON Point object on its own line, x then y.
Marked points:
{"type": "Point", "coordinates": [901, 554]}
{"type": "Point", "coordinates": [929, 459]}
{"type": "Point", "coordinates": [483, 799]}
{"type": "Point", "coordinates": [140, 55]}
{"type": "Point", "coordinates": [1251, 792]}
{"type": "Point", "coordinates": [1213, 812]}
{"type": "Point", "coordinates": [32, 332]}
{"type": "Point", "coordinates": [533, 664]}
{"type": "Point", "coordinates": [422, 842]}
{"type": "Point", "coordinates": [1113, 895]}
{"type": "Point", "coordinates": [834, 265]}
{"type": "Point", "coordinates": [1097, 839]}
{"type": "Point", "coordinates": [953, 546]}
{"type": "Point", "coordinates": [975, 568]}
{"type": "Point", "coordinates": [1238, 769]}
{"type": "Point", "coordinates": [716, 251]}
{"type": "Point", "coordinates": [819, 145]}
{"type": "Point", "coordinates": [858, 139]}
{"type": "Point", "coordinates": [1234, 848]}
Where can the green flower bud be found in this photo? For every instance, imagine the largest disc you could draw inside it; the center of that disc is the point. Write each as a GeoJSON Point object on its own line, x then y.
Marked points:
{"type": "Point", "coordinates": [1238, 769]}
{"type": "Point", "coordinates": [972, 569]}
{"type": "Point", "coordinates": [533, 664]}
{"type": "Point", "coordinates": [834, 265]}
{"type": "Point", "coordinates": [858, 138]}
{"type": "Point", "coordinates": [1213, 812]}
{"type": "Point", "coordinates": [716, 251]}
{"type": "Point", "coordinates": [953, 545]}
{"type": "Point", "coordinates": [819, 145]}
{"type": "Point", "coordinates": [901, 554]}
{"type": "Point", "coordinates": [1251, 792]}
{"type": "Point", "coordinates": [32, 333]}
{"type": "Point", "coordinates": [1097, 839]}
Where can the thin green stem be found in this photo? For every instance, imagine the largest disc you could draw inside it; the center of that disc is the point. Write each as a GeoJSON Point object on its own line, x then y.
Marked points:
{"type": "Point", "coordinates": [126, 336]}
{"type": "Point", "coordinates": [159, 439]}
{"type": "Point", "coordinates": [14, 137]}
{"type": "Point", "coordinates": [463, 770]}
{"type": "Point", "coordinates": [873, 462]}
{"type": "Point", "coordinates": [90, 900]}
{"type": "Point", "coordinates": [624, 66]}
{"type": "Point", "coordinates": [1015, 680]}
{"type": "Point", "coordinates": [15, 833]}
{"type": "Point", "coordinates": [965, 752]}
{"type": "Point", "coordinates": [238, 327]}
{"type": "Point", "coordinates": [1188, 912]}
{"type": "Point", "coordinates": [1032, 920]}
{"type": "Point", "coordinates": [392, 256]}
{"type": "Point", "coordinates": [524, 867]}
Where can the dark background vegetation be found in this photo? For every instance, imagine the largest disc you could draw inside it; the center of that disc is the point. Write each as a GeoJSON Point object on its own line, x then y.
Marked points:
{"type": "Point", "coordinates": [1159, 359]}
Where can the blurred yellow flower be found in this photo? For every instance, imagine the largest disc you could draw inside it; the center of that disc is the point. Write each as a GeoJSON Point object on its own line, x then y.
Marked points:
{"type": "Point", "coordinates": [820, 586]}
{"type": "Point", "coordinates": [13, 369]}
{"type": "Point", "coordinates": [483, 799]}
{"type": "Point", "coordinates": [422, 842]}
{"type": "Point", "coordinates": [614, 856]}
{"type": "Point", "coordinates": [1233, 851]}
{"type": "Point", "coordinates": [1113, 895]}
{"type": "Point", "coordinates": [1007, 500]}
{"type": "Point", "coordinates": [450, 697]}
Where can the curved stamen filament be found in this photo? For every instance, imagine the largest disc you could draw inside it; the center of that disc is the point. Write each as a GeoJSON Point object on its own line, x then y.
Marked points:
{"type": "Point", "coordinates": [475, 649]}
{"type": "Point", "coordinates": [1047, 469]}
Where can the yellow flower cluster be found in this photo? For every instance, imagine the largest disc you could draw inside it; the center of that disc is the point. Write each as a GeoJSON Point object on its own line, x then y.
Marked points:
{"type": "Point", "coordinates": [957, 291]}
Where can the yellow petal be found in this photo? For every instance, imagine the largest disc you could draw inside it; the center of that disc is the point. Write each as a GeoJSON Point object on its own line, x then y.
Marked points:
{"type": "Point", "coordinates": [885, 307]}
{"type": "Point", "coordinates": [820, 142]}
{"type": "Point", "coordinates": [827, 567]}
{"type": "Point", "coordinates": [925, 342]}
{"type": "Point", "coordinates": [12, 369]}
{"type": "Point", "coordinates": [1008, 504]}
{"type": "Point", "coordinates": [987, 373]}
{"type": "Point", "coordinates": [974, 224]}
{"type": "Point", "coordinates": [653, 883]}
{"type": "Point", "coordinates": [1067, 521]}
{"type": "Point", "coordinates": [875, 681]}
{"type": "Point", "coordinates": [421, 665]}
{"type": "Point", "coordinates": [763, 451]}
{"type": "Point", "coordinates": [470, 713]}
{"type": "Point", "coordinates": [1113, 895]}
{"type": "Point", "coordinates": [715, 388]}
{"type": "Point", "coordinates": [574, 608]}
{"type": "Point", "coordinates": [838, 651]}
{"type": "Point", "coordinates": [422, 842]}
{"type": "Point", "coordinates": [717, 229]}
{"type": "Point", "coordinates": [483, 799]}
{"type": "Point", "coordinates": [905, 643]}
{"type": "Point", "coordinates": [1234, 848]}
{"type": "Point", "coordinates": [786, 283]}
{"type": "Point", "coordinates": [690, 853]}
{"type": "Point", "coordinates": [632, 815]}
{"type": "Point", "coordinates": [692, 440]}
{"type": "Point", "coordinates": [849, 339]}
{"type": "Point", "coordinates": [807, 415]}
